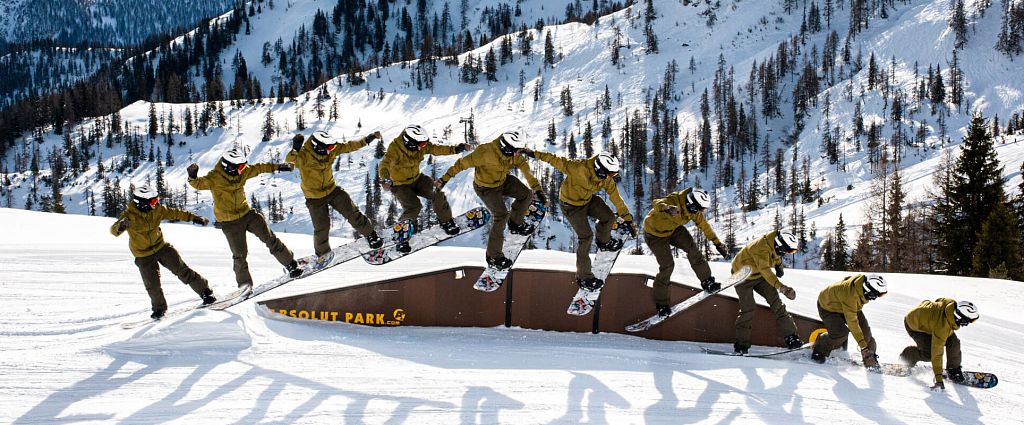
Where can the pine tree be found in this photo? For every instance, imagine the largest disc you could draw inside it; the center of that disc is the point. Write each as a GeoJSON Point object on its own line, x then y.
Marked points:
{"type": "Point", "coordinates": [588, 141]}
{"type": "Point", "coordinates": [840, 259]}
{"type": "Point", "coordinates": [269, 127]}
{"type": "Point", "coordinates": [152, 121]}
{"type": "Point", "coordinates": [958, 24]}
{"type": "Point", "coordinates": [549, 49]}
{"type": "Point", "coordinates": [998, 254]}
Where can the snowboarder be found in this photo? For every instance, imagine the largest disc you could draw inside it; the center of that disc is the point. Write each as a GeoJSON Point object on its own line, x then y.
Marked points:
{"type": "Point", "coordinates": [235, 217]}
{"type": "Point", "coordinates": [839, 306]}
{"type": "Point", "coordinates": [492, 182]}
{"type": "Point", "coordinates": [145, 239]}
{"type": "Point", "coordinates": [932, 325]}
{"type": "Point", "coordinates": [665, 227]}
{"type": "Point", "coordinates": [762, 255]}
{"type": "Point", "coordinates": [583, 179]}
{"type": "Point", "coordinates": [314, 157]}
{"type": "Point", "coordinates": [400, 173]}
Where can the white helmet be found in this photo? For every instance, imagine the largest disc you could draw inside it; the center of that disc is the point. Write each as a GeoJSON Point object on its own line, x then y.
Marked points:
{"type": "Point", "coordinates": [785, 243]}
{"type": "Point", "coordinates": [965, 313]}
{"type": "Point", "coordinates": [606, 165]}
{"type": "Point", "coordinates": [144, 198]}
{"type": "Point", "coordinates": [874, 286]}
{"type": "Point", "coordinates": [322, 142]}
{"type": "Point", "coordinates": [414, 136]}
{"type": "Point", "coordinates": [233, 162]}
{"type": "Point", "coordinates": [697, 200]}
{"type": "Point", "coordinates": [510, 142]}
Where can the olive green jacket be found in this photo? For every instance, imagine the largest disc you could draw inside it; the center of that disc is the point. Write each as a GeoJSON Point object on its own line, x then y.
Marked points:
{"type": "Point", "coordinates": [144, 235]}
{"type": "Point", "coordinates": [937, 319]}
{"type": "Point", "coordinates": [491, 167]}
{"type": "Point", "coordinates": [660, 223]}
{"type": "Point", "coordinates": [760, 255]}
{"type": "Point", "coordinates": [581, 183]}
{"type": "Point", "coordinates": [229, 200]}
{"type": "Point", "coordinates": [847, 298]}
{"type": "Point", "coordinates": [402, 165]}
{"type": "Point", "coordinates": [316, 170]}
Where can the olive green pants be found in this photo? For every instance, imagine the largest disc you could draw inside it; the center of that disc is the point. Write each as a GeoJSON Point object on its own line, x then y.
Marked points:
{"type": "Point", "coordinates": [321, 218]}
{"type": "Point", "coordinates": [494, 200]}
{"type": "Point", "coordinates": [149, 268]}
{"type": "Point", "coordinates": [922, 350]}
{"type": "Point", "coordinates": [254, 223]}
{"type": "Point", "coordinates": [745, 319]}
{"type": "Point", "coordinates": [839, 331]}
{"type": "Point", "coordinates": [409, 196]}
{"type": "Point", "coordinates": [579, 219]}
{"type": "Point", "coordinates": [661, 247]}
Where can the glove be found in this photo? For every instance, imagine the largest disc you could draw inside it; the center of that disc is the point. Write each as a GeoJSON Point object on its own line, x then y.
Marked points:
{"type": "Point", "coordinates": [285, 167]}
{"type": "Point", "coordinates": [722, 249]}
{"type": "Point", "coordinates": [123, 225]}
{"type": "Point", "coordinates": [193, 171]}
{"type": "Point", "coordinates": [297, 142]}
{"type": "Point", "coordinates": [461, 147]}
{"type": "Point", "coordinates": [870, 358]}
{"type": "Point", "coordinates": [788, 292]}
{"type": "Point", "coordinates": [438, 183]}
{"type": "Point", "coordinates": [541, 197]}
{"type": "Point", "coordinates": [672, 210]}
{"type": "Point", "coordinates": [375, 136]}
{"type": "Point", "coordinates": [778, 270]}
{"type": "Point", "coordinates": [938, 387]}
{"type": "Point", "coordinates": [527, 153]}
{"type": "Point", "coordinates": [202, 221]}
{"type": "Point", "coordinates": [628, 227]}
{"type": "Point", "coordinates": [386, 184]}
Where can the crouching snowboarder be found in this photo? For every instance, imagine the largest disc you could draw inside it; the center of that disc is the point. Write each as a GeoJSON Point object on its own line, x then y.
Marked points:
{"type": "Point", "coordinates": [839, 306]}
{"type": "Point", "coordinates": [762, 255]}
{"type": "Point", "coordinates": [234, 215]}
{"type": "Point", "coordinates": [145, 239]}
{"type": "Point", "coordinates": [665, 227]}
{"type": "Point", "coordinates": [314, 157]}
{"type": "Point", "coordinates": [932, 325]}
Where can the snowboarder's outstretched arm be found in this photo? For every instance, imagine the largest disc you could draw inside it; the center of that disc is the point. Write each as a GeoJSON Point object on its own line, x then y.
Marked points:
{"type": "Point", "coordinates": [257, 169]}
{"type": "Point", "coordinates": [524, 167]}
{"type": "Point", "coordinates": [164, 213]}
{"type": "Point", "coordinates": [612, 190]}
{"type": "Point", "coordinates": [938, 349]}
{"type": "Point", "coordinates": [559, 162]}
{"type": "Point", "coordinates": [442, 150]}
{"type": "Point", "coordinates": [472, 160]}
{"type": "Point", "coordinates": [120, 225]}
{"type": "Point", "coordinates": [200, 183]}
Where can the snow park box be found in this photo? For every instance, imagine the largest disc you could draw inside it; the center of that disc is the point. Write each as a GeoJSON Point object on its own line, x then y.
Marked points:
{"type": "Point", "coordinates": [531, 298]}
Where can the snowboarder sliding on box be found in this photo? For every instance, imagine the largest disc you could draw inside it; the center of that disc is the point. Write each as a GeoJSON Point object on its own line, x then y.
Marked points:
{"type": "Point", "coordinates": [932, 325]}
{"type": "Point", "coordinates": [839, 306]}
{"type": "Point", "coordinates": [400, 173]}
{"type": "Point", "coordinates": [762, 255]}
{"type": "Point", "coordinates": [235, 217]}
{"type": "Point", "coordinates": [492, 182]}
{"type": "Point", "coordinates": [145, 239]}
{"type": "Point", "coordinates": [314, 156]}
{"type": "Point", "coordinates": [583, 179]}
{"type": "Point", "coordinates": [665, 227]}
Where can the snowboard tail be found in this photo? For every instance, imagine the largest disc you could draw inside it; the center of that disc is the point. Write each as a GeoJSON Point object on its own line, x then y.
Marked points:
{"type": "Point", "coordinates": [584, 300]}
{"type": "Point", "coordinates": [656, 319]}
{"type": "Point", "coordinates": [492, 278]}
{"type": "Point", "coordinates": [405, 243]}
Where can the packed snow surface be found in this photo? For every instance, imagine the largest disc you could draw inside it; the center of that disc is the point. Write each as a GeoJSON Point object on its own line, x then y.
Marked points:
{"type": "Point", "coordinates": [66, 284]}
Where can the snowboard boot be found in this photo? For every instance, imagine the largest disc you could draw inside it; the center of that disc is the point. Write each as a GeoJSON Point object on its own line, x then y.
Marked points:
{"type": "Point", "coordinates": [818, 357]}
{"type": "Point", "coordinates": [450, 227]}
{"type": "Point", "coordinates": [157, 314]}
{"type": "Point", "coordinates": [521, 228]}
{"type": "Point", "coordinates": [710, 286]}
{"type": "Point", "coordinates": [612, 245]}
{"type": "Point", "coordinates": [740, 349]}
{"type": "Point", "coordinates": [208, 297]}
{"type": "Point", "coordinates": [590, 283]}
{"type": "Point", "coordinates": [403, 247]}
{"type": "Point", "coordinates": [374, 241]}
{"type": "Point", "coordinates": [293, 269]}
{"type": "Point", "coordinates": [499, 262]}
{"type": "Point", "coordinates": [793, 342]}
{"type": "Point", "coordinates": [955, 374]}
{"type": "Point", "coordinates": [663, 310]}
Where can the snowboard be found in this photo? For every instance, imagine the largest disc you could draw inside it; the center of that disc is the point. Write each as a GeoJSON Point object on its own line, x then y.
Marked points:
{"type": "Point", "coordinates": [309, 265]}
{"type": "Point", "coordinates": [976, 379]}
{"type": "Point", "coordinates": [468, 222]}
{"type": "Point", "coordinates": [181, 311]}
{"type": "Point", "coordinates": [890, 369]}
{"type": "Point", "coordinates": [756, 355]}
{"type": "Point", "coordinates": [583, 302]}
{"type": "Point", "coordinates": [492, 277]}
{"type": "Point", "coordinates": [654, 320]}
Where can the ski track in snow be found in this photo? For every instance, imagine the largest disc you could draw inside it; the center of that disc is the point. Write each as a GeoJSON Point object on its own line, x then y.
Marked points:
{"type": "Point", "coordinates": [66, 284]}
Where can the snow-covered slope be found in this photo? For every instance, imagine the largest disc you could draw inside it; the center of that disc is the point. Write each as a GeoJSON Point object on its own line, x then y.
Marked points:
{"type": "Point", "coordinates": [67, 284]}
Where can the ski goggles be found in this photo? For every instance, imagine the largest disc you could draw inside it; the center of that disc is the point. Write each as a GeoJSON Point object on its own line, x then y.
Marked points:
{"type": "Point", "coordinates": [322, 148]}
{"type": "Point", "coordinates": [234, 169]}
{"type": "Point", "coordinates": [153, 202]}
